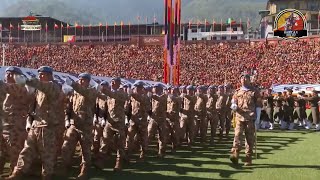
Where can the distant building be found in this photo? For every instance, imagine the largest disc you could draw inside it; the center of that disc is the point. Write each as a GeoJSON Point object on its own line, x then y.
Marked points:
{"type": "Point", "coordinates": [214, 32]}
{"type": "Point", "coordinates": [310, 8]}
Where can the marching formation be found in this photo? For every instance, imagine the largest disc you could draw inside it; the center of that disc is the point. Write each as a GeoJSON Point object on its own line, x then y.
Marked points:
{"type": "Point", "coordinates": [42, 122]}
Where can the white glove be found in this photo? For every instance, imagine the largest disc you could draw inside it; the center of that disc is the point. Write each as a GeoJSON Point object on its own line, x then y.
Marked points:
{"type": "Point", "coordinates": [20, 79]}
{"type": "Point", "coordinates": [234, 106]}
{"type": "Point", "coordinates": [67, 124]}
{"type": "Point", "coordinates": [30, 89]}
{"type": "Point", "coordinates": [103, 123]}
{"type": "Point", "coordinates": [28, 126]}
{"type": "Point", "coordinates": [69, 81]}
{"type": "Point", "coordinates": [95, 120]}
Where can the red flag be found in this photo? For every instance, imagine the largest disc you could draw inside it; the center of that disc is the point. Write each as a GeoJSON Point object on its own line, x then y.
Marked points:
{"type": "Point", "coordinates": [11, 26]}
{"type": "Point", "coordinates": [19, 26]}
{"type": "Point", "coordinates": [46, 27]}
{"type": "Point", "coordinates": [77, 25]}
{"type": "Point", "coordinates": [56, 26]}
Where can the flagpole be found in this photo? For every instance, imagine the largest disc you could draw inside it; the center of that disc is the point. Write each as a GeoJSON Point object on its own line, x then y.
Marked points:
{"type": "Point", "coordinates": [61, 32]}
{"type": "Point", "coordinates": [129, 30]}
{"type": "Point", "coordinates": [82, 32]}
{"type": "Point", "coordinates": [19, 32]}
{"type": "Point", "coordinates": [121, 31]}
{"type": "Point", "coordinates": [106, 32]}
{"type": "Point", "coordinates": [114, 32]}
{"type": "Point", "coordinates": [99, 31]}
{"type": "Point", "coordinates": [75, 31]}
{"type": "Point", "coordinates": [154, 23]}
{"type": "Point", "coordinates": [89, 32]}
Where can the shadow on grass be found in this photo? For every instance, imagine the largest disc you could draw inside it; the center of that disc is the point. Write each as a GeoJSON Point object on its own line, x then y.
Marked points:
{"type": "Point", "coordinates": [202, 159]}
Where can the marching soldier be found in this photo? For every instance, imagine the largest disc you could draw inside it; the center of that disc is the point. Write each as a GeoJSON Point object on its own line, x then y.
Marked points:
{"type": "Point", "coordinates": [158, 118]}
{"type": "Point", "coordinates": [173, 109]}
{"type": "Point", "coordinates": [289, 108]}
{"type": "Point", "coordinates": [200, 113]}
{"type": "Point", "coordinates": [221, 109]}
{"type": "Point", "coordinates": [42, 129]}
{"type": "Point", "coordinates": [115, 127]}
{"type": "Point", "coordinates": [269, 108]}
{"type": "Point", "coordinates": [314, 100]}
{"type": "Point", "coordinates": [187, 123]}
{"type": "Point", "coordinates": [212, 111]}
{"type": "Point", "coordinates": [100, 119]}
{"type": "Point", "coordinates": [244, 104]}
{"type": "Point", "coordinates": [79, 128]}
{"type": "Point", "coordinates": [15, 110]}
{"type": "Point", "coordinates": [138, 123]}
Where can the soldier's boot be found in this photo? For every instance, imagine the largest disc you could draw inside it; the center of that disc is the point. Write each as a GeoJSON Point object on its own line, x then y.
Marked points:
{"type": "Point", "coordinates": [118, 166]}
{"type": "Point", "coordinates": [211, 141]}
{"type": "Point", "coordinates": [234, 158]}
{"type": "Point", "coordinates": [83, 172]}
{"type": "Point", "coordinates": [16, 175]}
{"type": "Point", "coordinates": [2, 163]}
{"type": "Point", "coordinates": [47, 177]}
{"type": "Point", "coordinates": [174, 148]}
{"type": "Point", "coordinates": [142, 156]}
{"type": "Point", "coordinates": [99, 163]}
{"type": "Point", "coordinates": [248, 160]}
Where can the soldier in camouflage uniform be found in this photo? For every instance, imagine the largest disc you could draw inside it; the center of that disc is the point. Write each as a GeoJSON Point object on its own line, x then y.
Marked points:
{"type": "Point", "coordinates": [138, 123]}
{"type": "Point", "coordinates": [158, 118]}
{"type": "Point", "coordinates": [173, 109]}
{"type": "Point", "coordinates": [201, 113]}
{"type": "Point", "coordinates": [187, 123]}
{"type": "Point", "coordinates": [115, 127]}
{"type": "Point", "coordinates": [244, 104]}
{"type": "Point", "coordinates": [100, 119]}
{"type": "Point", "coordinates": [41, 136]}
{"type": "Point", "coordinates": [15, 107]}
{"type": "Point", "coordinates": [79, 128]}
{"type": "Point", "coordinates": [212, 114]}
{"type": "Point", "coordinates": [221, 108]}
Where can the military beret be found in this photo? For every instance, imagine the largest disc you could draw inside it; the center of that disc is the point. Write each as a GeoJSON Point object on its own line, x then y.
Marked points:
{"type": "Point", "coordinates": [14, 69]}
{"type": "Point", "coordinates": [116, 79]}
{"type": "Point", "coordinates": [245, 75]}
{"type": "Point", "coordinates": [175, 87]}
{"type": "Point", "coordinates": [212, 87]}
{"type": "Point", "coordinates": [138, 84]}
{"type": "Point", "coordinates": [104, 83]}
{"type": "Point", "coordinates": [45, 69]}
{"type": "Point", "coordinates": [190, 87]}
{"type": "Point", "coordinates": [158, 85]}
{"type": "Point", "coordinates": [85, 76]}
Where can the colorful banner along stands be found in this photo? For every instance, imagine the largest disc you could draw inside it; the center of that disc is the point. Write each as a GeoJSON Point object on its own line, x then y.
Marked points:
{"type": "Point", "coordinates": [171, 49]}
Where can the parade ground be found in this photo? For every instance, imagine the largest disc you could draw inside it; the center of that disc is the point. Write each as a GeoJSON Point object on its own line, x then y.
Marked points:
{"type": "Point", "coordinates": [281, 155]}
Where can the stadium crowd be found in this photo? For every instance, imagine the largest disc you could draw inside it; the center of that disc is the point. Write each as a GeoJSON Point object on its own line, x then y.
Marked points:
{"type": "Point", "coordinates": [286, 62]}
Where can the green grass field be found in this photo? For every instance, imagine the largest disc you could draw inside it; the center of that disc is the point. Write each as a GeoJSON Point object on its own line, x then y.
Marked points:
{"type": "Point", "coordinates": [281, 155]}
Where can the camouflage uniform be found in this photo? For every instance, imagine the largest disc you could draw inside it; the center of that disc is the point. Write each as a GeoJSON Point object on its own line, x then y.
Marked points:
{"type": "Point", "coordinates": [61, 106]}
{"type": "Point", "coordinates": [173, 109]}
{"type": "Point", "coordinates": [15, 108]}
{"type": "Point", "coordinates": [187, 123]}
{"type": "Point", "coordinates": [138, 123]}
{"type": "Point", "coordinates": [221, 109]}
{"type": "Point", "coordinates": [83, 108]}
{"type": "Point", "coordinates": [42, 135]}
{"type": "Point", "coordinates": [212, 114]}
{"type": "Point", "coordinates": [245, 116]}
{"type": "Point", "coordinates": [158, 121]}
{"type": "Point", "coordinates": [102, 115]}
{"type": "Point", "coordinates": [200, 116]}
{"type": "Point", "coordinates": [115, 128]}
